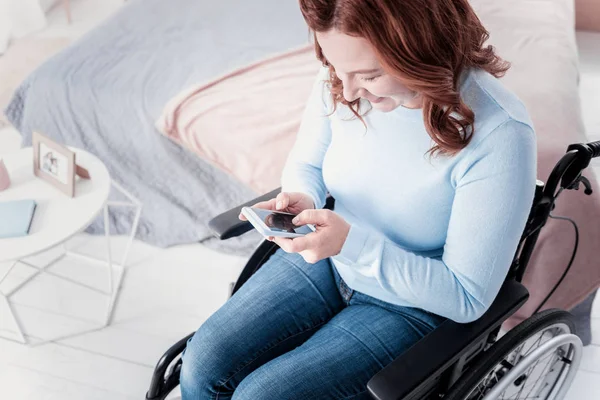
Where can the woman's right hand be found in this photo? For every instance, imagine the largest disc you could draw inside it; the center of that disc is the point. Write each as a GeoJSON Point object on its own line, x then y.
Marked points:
{"type": "Point", "coordinates": [290, 202]}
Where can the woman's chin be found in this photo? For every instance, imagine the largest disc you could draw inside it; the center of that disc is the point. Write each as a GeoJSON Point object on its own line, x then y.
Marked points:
{"type": "Point", "coordinates": [385, 105]}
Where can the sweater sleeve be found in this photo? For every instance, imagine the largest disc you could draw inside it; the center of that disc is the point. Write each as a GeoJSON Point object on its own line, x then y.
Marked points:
{"type": "Point", "coordinates": [494, 190]}
{"type": "Point", "coordinates": [303, 168]}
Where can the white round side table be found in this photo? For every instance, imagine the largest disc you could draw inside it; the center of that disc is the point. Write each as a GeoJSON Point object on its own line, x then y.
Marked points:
{"type": "Point", "coordinates": [57, 218]}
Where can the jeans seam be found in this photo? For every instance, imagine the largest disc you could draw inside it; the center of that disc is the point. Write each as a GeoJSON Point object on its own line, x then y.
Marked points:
{"type": "Point", "coordinates": [359, 341]}
{"type": "Point", "coordinates": [354, 395]}
{"type": "Point", "coordinates": [261, 353]}
{"type": "Point", "coordinates": [310, 282]}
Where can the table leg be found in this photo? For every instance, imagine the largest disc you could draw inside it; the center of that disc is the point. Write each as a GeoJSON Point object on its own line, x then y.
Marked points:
{"type": "Point", "coordinates": [108, 250]}
{"type": "Point", "coordinates": [133, 202]}
{"type": "Point", "coordinates": [114, 287]}
{"type": "Point", "coordinates": [13, 316]}
{"type": "Point", "coordinates": [8, 271]}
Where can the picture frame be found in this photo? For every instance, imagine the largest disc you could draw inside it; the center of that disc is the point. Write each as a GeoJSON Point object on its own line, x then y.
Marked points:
{"type": "Point", "coordinates": [54, 163]}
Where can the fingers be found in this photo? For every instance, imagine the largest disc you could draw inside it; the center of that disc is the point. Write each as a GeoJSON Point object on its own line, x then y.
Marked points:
{"type": "Point", "coordinates": [289, 245]}
{"type": "Point", "coordinates": [281, 242]}
{"type": "Point", "coordinates": [282, 201]}
{"type": "Point", "coordinates": [313, 217]}
{"type": "Point", "coordinates": [268, 205]}
{"type": "Point", "coordinates": [302, 246]}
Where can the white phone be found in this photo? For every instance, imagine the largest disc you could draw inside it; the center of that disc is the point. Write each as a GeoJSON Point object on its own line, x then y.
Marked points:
{"type": "Point", "coordinates": [275, 223]}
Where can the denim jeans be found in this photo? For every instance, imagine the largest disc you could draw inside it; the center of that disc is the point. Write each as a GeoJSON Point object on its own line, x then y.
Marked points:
{"type": "Point", "coordinates": [295, 330]}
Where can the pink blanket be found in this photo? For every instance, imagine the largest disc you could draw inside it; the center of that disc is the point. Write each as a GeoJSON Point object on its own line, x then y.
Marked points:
{"type": "Point", "coordinates": [245, 123]}
{"type": "Point", "coordinates": [587, 15]}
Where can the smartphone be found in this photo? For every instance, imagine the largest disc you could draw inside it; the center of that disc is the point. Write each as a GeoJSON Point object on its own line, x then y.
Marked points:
{"type": "Point", "coordinates": [275, 223]}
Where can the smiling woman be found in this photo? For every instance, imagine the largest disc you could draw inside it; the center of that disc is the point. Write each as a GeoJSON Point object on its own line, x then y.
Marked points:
{"type": "Point", "coordinates": [359, 73]}
{"type": "Point", "coordinates": [414, 53]}
{"type": "Point", "coordinates": [411, 241]}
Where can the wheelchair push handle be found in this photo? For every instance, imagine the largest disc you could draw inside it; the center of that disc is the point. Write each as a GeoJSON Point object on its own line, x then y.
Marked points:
{"type": "Point", "coordinates": [567, 174]}
{"type": "Point", "coordinates": [586, 151]}
{"type": "Point", "coordinates": [595, 148]}
{"type": "Point", "coordinates": [570, 167]}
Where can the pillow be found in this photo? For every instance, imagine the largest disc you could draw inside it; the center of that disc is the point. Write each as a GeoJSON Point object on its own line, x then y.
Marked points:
{"type": "Point", "coordinates": [245, 122]}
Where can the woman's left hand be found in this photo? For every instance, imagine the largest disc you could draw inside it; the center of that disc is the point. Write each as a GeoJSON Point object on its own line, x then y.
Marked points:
{"type": "Point", "coordinates": [326, 241]}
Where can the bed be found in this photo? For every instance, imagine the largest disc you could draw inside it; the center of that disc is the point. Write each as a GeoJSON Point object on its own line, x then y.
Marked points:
{"type": "Point", "coordinates": [105, 92]}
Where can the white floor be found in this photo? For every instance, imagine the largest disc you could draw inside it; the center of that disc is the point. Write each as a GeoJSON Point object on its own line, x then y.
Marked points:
{"type": "Point", "coordinates": [166, 293]}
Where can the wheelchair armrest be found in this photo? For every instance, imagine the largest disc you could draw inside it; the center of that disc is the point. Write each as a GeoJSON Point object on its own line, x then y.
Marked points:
{"type": "Point", "coordinates": [411, 374]}
{"type": "Point", "coordinates": [228, 225]}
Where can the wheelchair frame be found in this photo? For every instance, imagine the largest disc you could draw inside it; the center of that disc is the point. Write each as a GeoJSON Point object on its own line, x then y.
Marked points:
{"type": "Point", "coordinates": [431, 366]}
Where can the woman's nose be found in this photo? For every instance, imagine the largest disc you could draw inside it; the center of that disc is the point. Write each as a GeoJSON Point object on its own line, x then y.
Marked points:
{"type": "Point", "coordinates": [350, 91]}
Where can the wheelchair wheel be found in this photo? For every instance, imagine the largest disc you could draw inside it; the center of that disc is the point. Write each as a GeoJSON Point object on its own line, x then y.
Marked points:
{"type": "Point", "coordinates": [537, 359]}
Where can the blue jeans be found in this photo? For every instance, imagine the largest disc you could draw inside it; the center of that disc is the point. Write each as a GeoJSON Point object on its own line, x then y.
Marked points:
{"type": "Point", "coordinates": [294, 330]}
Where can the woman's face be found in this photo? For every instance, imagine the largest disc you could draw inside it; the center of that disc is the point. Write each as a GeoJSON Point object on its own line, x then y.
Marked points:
{"type": "Point", "coordinates": [362, 76]}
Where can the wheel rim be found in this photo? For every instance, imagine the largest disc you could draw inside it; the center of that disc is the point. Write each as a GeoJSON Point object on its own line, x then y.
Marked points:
{"type": "Point", "coordinates": [540, 379]}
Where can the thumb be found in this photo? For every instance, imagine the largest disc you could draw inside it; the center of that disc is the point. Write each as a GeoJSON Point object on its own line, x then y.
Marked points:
{"type": "Point", "coordinates": [310, 216]}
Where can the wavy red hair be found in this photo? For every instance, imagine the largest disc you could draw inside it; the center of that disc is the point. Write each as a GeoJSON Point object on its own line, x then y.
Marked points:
{"type": "Point", "coordinates": [426, 44]}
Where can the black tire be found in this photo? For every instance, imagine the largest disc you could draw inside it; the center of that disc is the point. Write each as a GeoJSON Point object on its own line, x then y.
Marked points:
{"type": "Point", "coordinates": [491, 358]}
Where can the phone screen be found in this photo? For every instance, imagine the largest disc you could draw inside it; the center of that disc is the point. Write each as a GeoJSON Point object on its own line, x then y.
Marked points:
{"type": "Point", "coordinates": [280, 222]}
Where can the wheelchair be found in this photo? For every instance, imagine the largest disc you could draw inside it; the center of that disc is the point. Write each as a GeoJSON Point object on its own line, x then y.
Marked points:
{"type": "Point", "coordinates": [536, 359]}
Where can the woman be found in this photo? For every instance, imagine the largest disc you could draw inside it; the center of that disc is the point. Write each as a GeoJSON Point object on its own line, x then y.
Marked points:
{"type": "Point", "coordinates": [432, 163]}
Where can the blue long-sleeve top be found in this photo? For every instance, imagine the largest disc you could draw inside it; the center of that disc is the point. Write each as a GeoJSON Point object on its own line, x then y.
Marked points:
{"type": "Point", "coordinates": [435, 234]}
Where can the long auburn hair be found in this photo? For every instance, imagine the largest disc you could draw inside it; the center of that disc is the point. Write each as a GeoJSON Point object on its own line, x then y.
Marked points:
{"type": "Point", "coordinates": [424, 43]}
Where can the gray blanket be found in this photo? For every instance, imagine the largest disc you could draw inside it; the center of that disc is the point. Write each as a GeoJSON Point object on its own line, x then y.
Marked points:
{"type": "Point", "coordinates": [104, 93]}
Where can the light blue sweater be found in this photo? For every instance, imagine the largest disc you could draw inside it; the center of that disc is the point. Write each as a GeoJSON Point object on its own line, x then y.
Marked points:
{"type": "Point", "coordinates": [436, 235]}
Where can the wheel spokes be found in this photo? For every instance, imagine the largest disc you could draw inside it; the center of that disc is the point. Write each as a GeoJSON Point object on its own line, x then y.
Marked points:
{"type": "Point", "coordinates": [538, 378]}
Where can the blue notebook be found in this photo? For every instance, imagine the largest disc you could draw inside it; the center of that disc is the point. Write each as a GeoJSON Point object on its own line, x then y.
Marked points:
{"type": "Point", "coordinates": [16, 217]}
